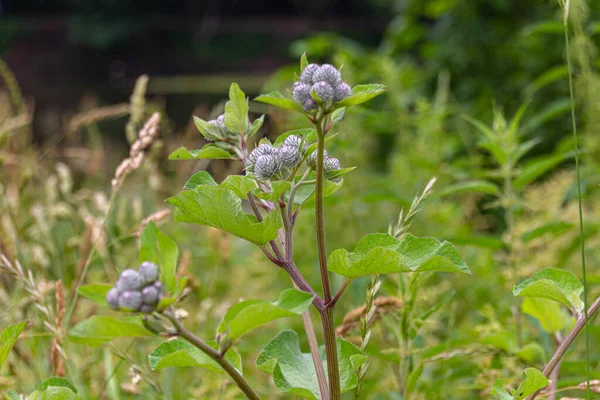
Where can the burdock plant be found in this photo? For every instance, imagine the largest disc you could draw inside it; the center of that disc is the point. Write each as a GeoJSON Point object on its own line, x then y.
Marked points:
{"type": "Point", "coordinates": [280, 178]}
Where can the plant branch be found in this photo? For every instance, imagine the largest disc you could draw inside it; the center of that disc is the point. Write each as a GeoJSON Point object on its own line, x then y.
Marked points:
{"type": "Point", "coordinates": [564, 346]}
{"type": "Point", "coordinates": [259, 217]}
{"type": "Point", "coordinates": [214, 354]}
{"type": "Point", "coordinates": [338, 294]}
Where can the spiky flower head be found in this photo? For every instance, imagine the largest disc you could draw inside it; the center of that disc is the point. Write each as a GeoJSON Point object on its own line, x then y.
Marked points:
{"type": "Point", "coordinates": [301, 92]}
{"type": "Point", "coordinates": [129, 280]}
{"type": "Point", "coordinates": [289, 155]}
{"type": "Point", "coordinates": [331, 164]}
{"type": "Point", "coordinates": [263, 149]}
{"type": "Point", "coordinates": [266, 166]}
{"type": "Point", "coordinates": [312, 158]}
{"type": "Point", "coordinates": [149, 272]}
{"type": "Point", "coordinates": [112, 298]}
{"type": "Point", "coordinates": [310, 105]}
{"type": "Point", "coordinates": [307, 74]}
{"type": "Point", "coordinates": [327, 73]}
{"type": "Point", "coordinates": [342, 91]}
{"type": "Point", "coordinates": [323, 90]}
{"type": "Point", "coordinates": [130, 300]}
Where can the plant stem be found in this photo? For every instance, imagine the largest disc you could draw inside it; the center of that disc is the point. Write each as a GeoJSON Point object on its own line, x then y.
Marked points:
{"type": "Point", "coordinates": [214, 354]}
{"type": "Point", "coordinates": [564, 346]}
{"type": "Point", "coordinates": [576, 147]}
{"type": "Point", "coordinates": [327, 315]}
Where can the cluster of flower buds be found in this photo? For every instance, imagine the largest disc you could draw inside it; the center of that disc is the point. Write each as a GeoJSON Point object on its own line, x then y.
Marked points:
{"type": "Point", "coordinates": [266, 161]}
{"type": "Point", "coordinates": [138, 291]}
{"type": "Point", "coordinates": [219, 123]}
{"type": "Point", "coordinates": [330, 164]}
{"type": "Point", "coordinates": [325, 80]}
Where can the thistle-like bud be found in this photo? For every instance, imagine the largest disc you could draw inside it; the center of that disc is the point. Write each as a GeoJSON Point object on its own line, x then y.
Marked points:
{"type": "Point", "coordinates": [293, 140]}
{"type": "Point", "coordinates": [342, 91]}
{"type": "Point", "coordinates": [301, 92]}
{"type": "Point", "coordinates": [263, 149]}
{"type": "Point", "coordinates": [148, 272]}
{"type": "Point", "coordinates": [130, 300]}
{"type": "Point", "coordinates": [112, 298]}
{"type": "Point", "coordinates": [327, 73]}
{"type": "Point", "coordinates": [266, 166]}
{"type": "Point", "coordinates": [129, 280]}
{"type": "Point", "coordinates": [147, 308]}
{"type": "Point", "coordinates": [307, 74]}
{"type": "Point", "coordinates": [150, 295]}
{"type": "Point", "coordinates": [310, 105]}
{"type": "Point", "coordinates": [331, 164]}
{"type": "Point", "coordinates": [289, 156]}
{"type": "Point", "coordinates": [323, 90]}
{"type": "Point", "coordinates": [312, 159]}
{"type": "Point", "coordinates": [159, 286]}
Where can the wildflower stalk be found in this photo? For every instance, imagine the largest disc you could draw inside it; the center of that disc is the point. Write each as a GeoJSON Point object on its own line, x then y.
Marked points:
{"type": "Point", "coordinates": [214, 354]}
{"type": "Point", "coordinates": [326, 315]}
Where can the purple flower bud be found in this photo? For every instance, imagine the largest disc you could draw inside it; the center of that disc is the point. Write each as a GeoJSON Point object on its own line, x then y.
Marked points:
{"type": "Point", "coordinates": [310, 105]}
{"type": "Point", "coordinates": [130, 300]}
{"type": "Point", "coordinates": [158, 286]}
{"type": "Point", "coordinates": [327, 73]}
{"type": "Point", "coordinates": [263, 149]}
{"type": "Point", "coordinates": [312, 159]}
{"type": "Point", "coordinates": [301, 92]}
{"type": "Point", "coordinates": [149, 272]}
{"type": "Point", "coordinates": [289, 156]}
{"type": "Point", "coordinates": [307, 74]}
{"type": "Point", "coordinates": [292, 140]}
{"type": "Point", "coordinates": [112, 298]}
{"type": "Point", "coordinates": [150, 295]}
{"type": "Point", "coordinates": [266, 166]}
{"type": "Point", "coordinates": [147, 308]}
{"type": "Point", "coordinates": [323, 90]}
{"type": "Point", "coordinates": [129, 280]}
{"type": "Point", "coordinates": [331, 164]}
{"type": "Point", "coordinates": [342, 91]}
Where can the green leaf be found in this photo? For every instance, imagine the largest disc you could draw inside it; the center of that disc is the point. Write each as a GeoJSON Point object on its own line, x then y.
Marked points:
{"type": "Point", "coordinates": [472, 186]}
{"type": "Point", "coordinates": [294, 371]}
{"type": "Point", "coordinates": [240, 185]}
{"type": "Point", "coordinates": [381, 253]}
{"type": "Point", "coordinates": [496, 150]}
{"type": "Point", "coordinates": [12, 395]}
{"type": "Point", "coordinates": [199, 178]}
{"type": "Point", "coordinates": [236, 111]}
{"type": "Point", "coordinates": [303, 62]}
{"type": "Point", "coordinates": [548, 313]}
{"type": "Point", "coordinates": [360, 94]}
{"type": "Point", "coordinates": [209, 131]}
{"type": "Point", "coordinates": [208, 151]}
{"type": "Point", "coordinates": [56, 382]}
{"type": "Point", "coordinates": [250, 314]}
{"type": "Point", "coordinates": [533, 381]}
{"type": "Point", "coordinates": [97, 330]}
{"type": "Point", "coordinates": [539, 167]}
{"type": "Point", "coordinates": [554, 284]}
{"type": "Point", "coordinates": [338, 114]}
{"type": "Point", "coordinates": [179, 353]}
{"type": "Point", "coordinates": [161, 250]}
{"type": "Point", "coordinates": [531, 353]}
{"type": "Point", "coordinates": [499, 392]}
{"type": "Point", "coordinates": [276, 99]}
{"type": "Point", "coordinates": [413, 378]}
{"type": "Point", "coordinates": [555, 228]}
{"type": "Point", "coordinates": [278, 189]}
{"type": "Point", "coordinates": [95, 292]}
{"type": "Point", "coordinates": [256, 125]}
{"type": "Point", "coordinates": [339, 173]}
{"type": "Point", "coordinates": [54, 393]}
{"type": "Point", "coordinates": [220, 208]}
{"type": "Point", "coordinates": [9, 338]}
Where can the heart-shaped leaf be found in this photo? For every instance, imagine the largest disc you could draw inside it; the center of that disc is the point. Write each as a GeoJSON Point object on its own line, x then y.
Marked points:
{"type": "Point", "coordinates": [236, 111]}
{"type": "Point", "coordinates": [97, 330]}
{"type": "Point", "coordinates": [384, 254]}
{"type": "Point", "coordinates": [199, 178]}
{"type": "Point", "coordinates": [179, 353]}
{"type": "Point", "coordinates": [209, 151]}
{"type": "Point", "coordinates": [554, 284]}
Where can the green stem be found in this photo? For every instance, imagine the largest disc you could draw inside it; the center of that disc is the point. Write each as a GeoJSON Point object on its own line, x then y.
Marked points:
{"type": "Point", "coordinates": [215, 355]}
{"type": "Point", "coordinates": [576, 147]}
{"type": "Point", "coordinates": [327, 315]}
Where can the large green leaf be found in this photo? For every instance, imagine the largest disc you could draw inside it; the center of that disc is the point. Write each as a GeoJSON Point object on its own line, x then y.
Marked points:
{"type": "Point", "coordinates": [95, 292]}
{"type": "Point", "coordinates": [220, 208]}
{"type": "Point", "coordinates": [250, 314]}
{"type": "Point", "coordinates": [360, 94]}
{"type": "Point", "coordinates": [161, 250]}
{"type": "Point", "coordinates": [179, 353]}
{"type": "Point", "coordinates": [209, 151]}
{"type": "Point", "coordinates": [276, 99]}
{"type": "Point", "coordinates": [236, 111]}
{"type": "Point", "coordinates": [381, 253]}
{"type": "Point", "coordinates": [539, 167]}
{"type": "Point", "coordinates": [554, 284]}
{"type": "Point", "coordinates": [209, 131]}
{"type": "Point", "coordinates": [97, 330]}
{"type": "Point", "coordinates": [56, 382]}
{"type": "Point", "coordinates": [9, 338]}
{"type": "Point", "coordinates": [549, 314]}
{"type": "Point", "coordinates": [240, 185]}
{"type": "Point", "coordinates": [533, 380]}
{"type": "Point", "coordinates": [499, 392]}
{"type": "Point", "coordinates": [278, 188]}
{"type": "Point", "coordinates": [199, 178]}
{"type": "Point", "coordinates": [54, 393]}
{"type": "Point", "coordinates": [294, 371]}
